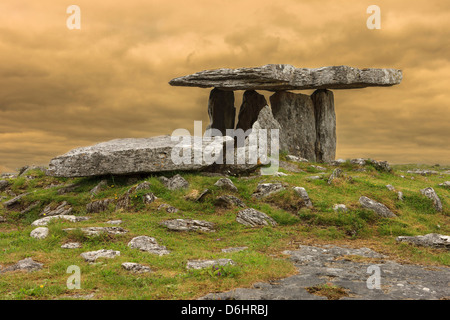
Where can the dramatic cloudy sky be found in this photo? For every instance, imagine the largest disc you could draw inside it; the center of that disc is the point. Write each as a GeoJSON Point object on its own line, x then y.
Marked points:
{"type": "Point", "coordinates": [62, 88]}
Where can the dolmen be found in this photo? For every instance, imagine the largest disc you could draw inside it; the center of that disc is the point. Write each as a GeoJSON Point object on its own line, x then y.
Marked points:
{"type": "Point", "coordinates": [306, 123]}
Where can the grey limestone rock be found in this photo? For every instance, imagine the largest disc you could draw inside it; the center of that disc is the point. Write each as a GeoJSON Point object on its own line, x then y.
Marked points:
{"type": "Point", "coordinates": [252, 103]}
{"type": "Point", "coordinates": [431, 194]}
{"type": "Point", "coordinates": [429, 240]}
{"type": "Point", "coordinates": [60, 209]}
{"type": "Point", "coordinates": [188, 225]}
{"type": "Point", "coordinates": [227, 184]}
{"type": "Point", "coordinates": [325, 116]}
{"type": "Point", "coordinates": [254, 218]}
{"type": "Point", "coordinates": [136, 267]}
{"type": "Point", "coordinates": [27, 264]}
{"type": "Point", "coordinates": [302, 193]}
{"type": "Point", "coordinates": [46, 220]}
{"type": "Point", "coordinates": [377, 207]}
{"type": "Point", "coordinates": [266, 189]}
{"type": "Point", "coordinates": [39, 233]}
{"type": "Point", "coordinates": [202, 264]}
{"type": "Point", "coordinates": [92, 256]}
{"type": "Point", "coordinates": [148, 244]}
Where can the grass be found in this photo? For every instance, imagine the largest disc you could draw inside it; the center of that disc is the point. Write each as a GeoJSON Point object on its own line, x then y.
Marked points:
{"type": "Point", "coordinates": [262, 261]}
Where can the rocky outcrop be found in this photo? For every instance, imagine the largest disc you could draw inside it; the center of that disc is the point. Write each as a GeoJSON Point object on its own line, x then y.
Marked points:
{"type": "Point", "coordinates": [188, 225]}
{"type": "Point", "coordinates": [174, 183]}
{"type": "Point", "coordinates": [136, 267]}
{"type": "Point", "coordinates": [46, 220]}
{"type": "Point", "coordinates": [377, 207]}
{"type": "Point", "coordinates": [433, 240]}
{"type": "Point", "coordinates": [266, 189]}
{"type": "Point", "coordinates": [325, 116]}
{"type": "Point", "coordinates": [61, 209]}
{"type": "Point", "coordinates": [278, 77]}
{"type": "Point", "coordinates": [431, 194]}
{"type": "Point", "coordinates": [148, 244]}
{"type": "Point", "coordinates": [229, 201]}
{"type": "Point", "coordinates": [221, 110]}
{"type": "Point", "coordinates": [252, 103]}
{"type": "Point", "coordinates": [254, 218]}
{"type": "Point", "coordinates": [303, 194]}
{"type": "Point", "coordinates": [295, 114]}
{"type": "Point", "coordinates": [27, 264]}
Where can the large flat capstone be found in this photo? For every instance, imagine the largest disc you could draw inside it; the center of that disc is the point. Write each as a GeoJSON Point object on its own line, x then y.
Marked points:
{"type": "Point", "coordinates": [279, 77]}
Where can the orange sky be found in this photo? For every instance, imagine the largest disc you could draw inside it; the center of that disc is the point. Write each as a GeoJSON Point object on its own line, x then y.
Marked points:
{"type": "Point", "coordinates": [62, 88]}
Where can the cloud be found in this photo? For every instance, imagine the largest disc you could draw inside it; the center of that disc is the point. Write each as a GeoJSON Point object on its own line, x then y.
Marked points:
{"type": "Point", "coordinates": [67, 88]}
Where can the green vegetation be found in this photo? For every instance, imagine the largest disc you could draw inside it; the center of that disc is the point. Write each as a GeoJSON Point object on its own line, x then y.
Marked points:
{"type": "Point", "coordinates": [262, 261]}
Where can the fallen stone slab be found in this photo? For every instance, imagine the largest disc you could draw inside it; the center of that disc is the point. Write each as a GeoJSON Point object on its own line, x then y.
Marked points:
{"type": "Point", "coordinates": [114, 222]}
{"type": "Point", "coordinates": [27, 264]}
{"type": "Point", "coordinates": [39, 233]}
{"type": "Point", "coordinates": [445, 184]}
{"type": "Point", "coordinates": [135, 156]}
{"type": "Point", "coordinates": [14, 202]}
{"type": "Point", "coordinates": [92, 256]}
{"type": "Point", "coordinates": [148, 244]}
{"type": "Point", "coordinates": [227, 184]}
{"type": "Point", "coordinates": [431, 194]}
{"type": "Point", "coordinates": [254, 218]}
{"type": "Point", "coordinates": [202, 264]}
{"type": "Point", "coordinates": [136, 267]}
{"type": "Point", "coordinates": [31, 207]}
{"type": "Point", "coordinates": [69, 188]}
{"type": "Point", "coordinates": [266, 189]}
{"type": "Point", "coordinates": [188, 225]}
{"type": "Point", "coordinates": [280, 77]}
{"type": "Point", "coordinates": [433, 240]}
{"type": "Point", "coordinates": [45, 221]}
{"type": "Point", "coordinates": [96, 231]}
{"type": "Point", "coordinates": [61, 209]}
{"type": "Point", "coordinates": [377, 207]}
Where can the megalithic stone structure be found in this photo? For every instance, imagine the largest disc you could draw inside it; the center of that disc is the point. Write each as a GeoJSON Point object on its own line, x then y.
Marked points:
{"type": "Point", "coordinates": [323, 101]}
{"type": "Point", "coordinates": [252, 104]}
{"type": "Point", "coordinates": [221, 110]}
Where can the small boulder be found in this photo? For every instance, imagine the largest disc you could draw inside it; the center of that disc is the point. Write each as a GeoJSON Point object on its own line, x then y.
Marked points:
{"type": "Point", "coordinates": [390, 187]}
{"type": "Point", "coordinates": [98, 206]}
{"type": "Point", "coordinates": [431, 194]}
{"type": "Point", "coordinates": [234, 249]}
{"type": "Point", "coordinates": [340, 208]}
{"type": "Point", "coordinates": [143, 186]}
{"type": "Point", "coordinates": [254, 218]}
{"type": "Point", "coordinates": [293, 158]}
{"type": "Point", "coordinates": [149, 198]}
{"type": "Point", "coordinates": [304, 195]}
{"type": "Point", "coordinates": [27, 264]}
{"type": "Point", "coordinates": [174, 183]}
{"type": "Point", "coordinates": [39, 233]}
{"type": "Point", "coordinates": [136, 267]}
{"type": "Point", "coordinates": [266, 189]}
{"type": "Point", "coordinates": [62, 209]}
{"type": "Point", "coordinates": [168, 208]}
{"type": "Point", "coordinates": [188, 225]}
{"type": "Point", "coordinates": [46, 220]}
{"type": "Point", "coordinates": [92, 256]}
{"type": "Point", "coordinates": [99, 187]}
{"type": "Point", "coordinates": [3, 185]}
{"type": "Point", "coordinates": [71, 245]}
{"type": "Point", "coordinates": [148, 244]}
{"type": "Point", "coordinates": [377, 207]}
{"type": "Point", "coordinates": [96, 231]}
{"type": "Point", "coordinates": [227, 184]}
{"type": "Point", "coordinates": [445, 184]}
{"type": "Point", "coordinates": [334, 175]}
{"type": "Point", "coordinates": [228, 201]}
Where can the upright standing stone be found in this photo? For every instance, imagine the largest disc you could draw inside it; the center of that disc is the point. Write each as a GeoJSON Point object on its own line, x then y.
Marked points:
{"type": "Point", "coordinates": [295, 114]}
{"type": "Point", "coordinates": [221, 110]}
{"type": "Point", "coordinates": [252, 103]}
{"type": "Point", "coordinates": [323, 101]}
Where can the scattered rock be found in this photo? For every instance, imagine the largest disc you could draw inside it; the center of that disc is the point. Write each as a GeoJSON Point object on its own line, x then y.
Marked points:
{"type": "Point", "coordinates": [254, 218]}
{"type": "Point", "coordinates": [62, 209]}
{"type": "Point", "coordinates": [203, 195]}
{"type": "Point", "coordinates": [423, 172]}
{"type": "Point", "coordinates": [334, 175]}
{"type": "Point", "coordinates": [71, 245]}
{"type": "Point", "coordinates": [340, 208]}
{"type": "Point", "coordinates": [148, 244]}
{"type": "Point", "coordinates": [14, 202]}
{"type": "Point", "coordinates": [92, 256]}
{"type": "Point", "coordinates": [377, 207]}
{"type": "Point", "coordinates": [174, 183]}
{"type": "Point", "coordinates": [116, 222]}
{"type": "Point", "coordinates": [318, 168]}
{"type": "Point", "coordinates": [149, 198]}
{"type": "Point", "coordinates": [314, 177]}
{"type": "Point", "coordinates": [39, 233]}
{"type": "Point", "coordinates": [337, 162]}
{"type": "Point", "coordinates": [3, 185]}
{"type": "Point", "coordinates": [227, 184]}
{"type": "Point", "coordinates": [168, 208]}
{"type": "Point", "coordinates": [69, 188]}
{"type": "Point", "coordinates": [95, 231]}
{"type": "Point", "coordinates": [31, 207]}
{"type": "Point", "coordinates": [188, 225]}
{"type": "Point", "coordinates": [291, 167]}
{"type": "Point", "coordinates": [280, 174]}
{"type": "Point", "coordinates": [46, 220]}
{"type": "Point", "coordinates": [445, 184]}
{"type": "Point", "coordinates": [27, 264]}
{"type": "Point", "coordinates": [390, 187]}
{"type": "Point", "coordinates": [26, 169]}
{"type": "Point", "coordinates": [235, 249]}
{"type": "Point", "coordinates": [431, 194]}
{"type": "Point", "coordinates": [429, 240]}
{"type": "Point", "coordinates": [143, 186]}
{"type": "Point", "coordinates": [400, 196]}
{"type": "Point", "coordinates": [98, 206]}
{"type": "Point", "coordinates": [266, 189]}
{"type": "Point", "coordinates": [136, 267]}
{"type": "Point", "coordinates": [2, 219]}
{"type": "Point", "coordinates": [202, 264]}
{"type": "Point", "coordinates": [99, 187]}
{"type": "Point", "coordinates": [228, 201]}
{"type": "Point", "coordinates": [304, 195]}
